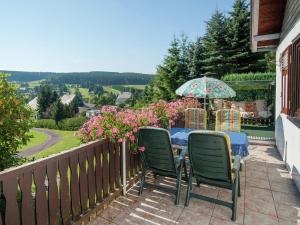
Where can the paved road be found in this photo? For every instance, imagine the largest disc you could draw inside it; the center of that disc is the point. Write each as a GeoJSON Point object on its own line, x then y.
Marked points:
{"type": "Point", "coordinates": [53, 138]}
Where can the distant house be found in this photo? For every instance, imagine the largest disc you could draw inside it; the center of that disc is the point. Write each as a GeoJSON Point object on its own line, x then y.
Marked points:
{"type": "Point", "coordinates": [123, 97]}
{"type": "Point", "coordinates": [88, 109]}
{"type": "Point", "coordinates": [22, 88]}
{"type": "Point", "coordinates": [67, 99]}
{"type": "Point", "coordinates": [33, 104]}
{"type": "Point", "coordinates": [91, 113]}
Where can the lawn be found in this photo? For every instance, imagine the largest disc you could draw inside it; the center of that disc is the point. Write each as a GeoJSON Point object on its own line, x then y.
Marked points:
{"type": "Point", "coordinates": [110, 89]}
{"type": "Point", "coordinates": [38, 138]}
{"type": "Point", "coordinates": [84, 91]}
{"type": "Point", "coordinates": [259, 131]}
{"type": "Point", "coordinates": [68, 140]}
{"type": "Point", "coordinates": [35, 83]}
{"type": "Point", "coordinates": [138, 86]}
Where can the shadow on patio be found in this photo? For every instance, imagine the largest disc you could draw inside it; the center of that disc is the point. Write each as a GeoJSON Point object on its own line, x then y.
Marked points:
{"type": "Point", "coordinates": [268, 196]}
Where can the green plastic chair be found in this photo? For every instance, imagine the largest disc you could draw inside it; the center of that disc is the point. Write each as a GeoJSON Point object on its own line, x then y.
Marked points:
{"type": "Point", "coordinates": [158, 157]}
{"type": "Point", "coordinates": [212, 163]}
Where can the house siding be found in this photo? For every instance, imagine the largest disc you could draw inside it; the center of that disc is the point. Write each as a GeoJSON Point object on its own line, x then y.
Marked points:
{"type": "Point", "coordinates": [286, 132]}
{"type": "Point", "coordinates": [291, 17]}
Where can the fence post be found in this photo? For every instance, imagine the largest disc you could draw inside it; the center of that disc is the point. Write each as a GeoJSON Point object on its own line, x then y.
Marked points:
{"type": "Point", "coordinates": [124, 166]}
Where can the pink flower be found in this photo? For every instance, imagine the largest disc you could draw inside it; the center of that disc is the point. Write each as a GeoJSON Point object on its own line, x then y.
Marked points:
{"type": "Point", "coordinates": [132, 138]}
{"type": "Point", "coordinates": [142, 149]}
{"type": "Point", "coordinates": [114, 130]}
{"type": "Point", "coordinates": [99, 132]}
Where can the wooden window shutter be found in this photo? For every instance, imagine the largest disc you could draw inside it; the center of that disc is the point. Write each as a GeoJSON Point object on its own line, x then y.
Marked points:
{"type": "Point", "coordinates": [285, 64]}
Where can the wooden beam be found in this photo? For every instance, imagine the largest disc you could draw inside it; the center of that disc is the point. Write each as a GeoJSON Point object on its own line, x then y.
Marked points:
{"type": "Point", "coordinates": [254, 23]}
{"type": "Point", "coordinates": [266, 37]}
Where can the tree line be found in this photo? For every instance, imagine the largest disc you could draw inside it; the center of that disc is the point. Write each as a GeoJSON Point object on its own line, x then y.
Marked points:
{"type": "Point", "coordinates": [82, 78]}
{"type": "Point", "coordinates": [223, 49]}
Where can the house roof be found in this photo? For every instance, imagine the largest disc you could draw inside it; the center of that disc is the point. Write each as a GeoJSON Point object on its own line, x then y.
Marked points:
{"type": "Point", "coordinates": [266, 23]}
{"type": "Point", "coordinates": [67, 99]}
{"type": "Point", "coordinates": [33, 103]}
{"type": "Point", "coordinates": [123, 97]}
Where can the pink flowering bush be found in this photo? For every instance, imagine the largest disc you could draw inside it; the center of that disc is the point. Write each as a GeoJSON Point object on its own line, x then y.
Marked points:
{"type": "Point", "coordinates": [124, 125]}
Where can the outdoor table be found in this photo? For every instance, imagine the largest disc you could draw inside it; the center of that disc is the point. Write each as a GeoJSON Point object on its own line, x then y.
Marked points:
{"type": "Point", "coordinates": [238, 140]}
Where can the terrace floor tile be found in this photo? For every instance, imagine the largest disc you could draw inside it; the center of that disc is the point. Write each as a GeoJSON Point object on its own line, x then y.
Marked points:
{"type": "Point", "coordinates": [268, 197]}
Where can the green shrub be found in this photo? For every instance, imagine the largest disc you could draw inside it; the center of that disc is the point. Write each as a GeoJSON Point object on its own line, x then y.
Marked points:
{"type": "Point", "coordinates": [249, 76]}
{"type": "Point", "coordinates": [46, 123]}
{"type": "Point", "coordinates": [73, 123]}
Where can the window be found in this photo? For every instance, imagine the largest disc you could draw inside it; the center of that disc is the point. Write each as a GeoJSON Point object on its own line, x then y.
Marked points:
{"type": "Point", "coordinates": [295, 77]}
{"type": "Point", "coordinates": [285, 70]}
{"type": "Point", "coordinates": [290, 79]}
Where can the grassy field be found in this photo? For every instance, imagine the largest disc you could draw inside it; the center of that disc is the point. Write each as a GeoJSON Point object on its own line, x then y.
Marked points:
{"type": "Point", "coordinates": [68, 140]}
{"type": "Point", "coordinates": [84, 91]}
{"type": "Point", "coordinates": [35, 83]}
{"type": "Point", "coordinates": [110, 89]}
{"type": "Point", "coordinates": [38, 138]}
{"type": "Point", "coordinates": [139, 87]}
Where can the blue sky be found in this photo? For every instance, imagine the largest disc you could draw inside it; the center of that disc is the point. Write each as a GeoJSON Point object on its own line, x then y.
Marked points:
{"type": "Point", "coordinates": [89, 35]}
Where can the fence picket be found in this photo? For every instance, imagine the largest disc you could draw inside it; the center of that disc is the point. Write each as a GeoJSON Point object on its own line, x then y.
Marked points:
{"type": "Point", "coordinates": [53, 193]}
{"type": "Point", "coordinates": [10, 187]}
{"type": "Point", "coordinates": [41, 203]}
{"type": "Point", "coordinates": [111, 166]}
{"type": "Point", "coordinates": [74, 183]}
{"type": "Point", "coordinates": [63, 166]}
{"type": "Point", "coordinates": [91, 177]}
{"type": "Point", "coordinates": [99, 171]}
{"type": "Point", "coordinates": [105, 175]}
{"type": "Point", "coordinates": [27, 208]}
{"type": "Point", "coordinates": [117, 164]}
{"type": "Point", "coordinates": [83, 181]}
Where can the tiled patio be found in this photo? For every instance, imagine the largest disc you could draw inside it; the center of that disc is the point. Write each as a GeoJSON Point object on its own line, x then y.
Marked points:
{"type": "Point", "coordinates": [269, 197]}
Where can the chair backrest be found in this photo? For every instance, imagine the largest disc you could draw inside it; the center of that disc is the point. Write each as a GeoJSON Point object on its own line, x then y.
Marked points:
{"type": "Point", "coordinates": [195, 118]}
{"type": "Point", "coordinates": [210, 156]}
{"type": "Point", "coordinates": [228, 120]}
{"type": "Point", "coordinates": [158, 152]}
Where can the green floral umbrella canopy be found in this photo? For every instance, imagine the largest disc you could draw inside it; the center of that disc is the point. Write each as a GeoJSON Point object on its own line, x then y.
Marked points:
{"type": "Point", "coordinates": [205, 87]}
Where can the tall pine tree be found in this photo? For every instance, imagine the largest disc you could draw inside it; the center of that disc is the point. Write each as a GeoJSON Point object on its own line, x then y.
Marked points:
{"type": "Point", "coordinates": [240, 59]}
{"type": "Point", "coordinates": [216, 47]}
{"type": "Point", "coordinates": [174, 70]}
{"type": "Point", "coordinates": [197, 59]}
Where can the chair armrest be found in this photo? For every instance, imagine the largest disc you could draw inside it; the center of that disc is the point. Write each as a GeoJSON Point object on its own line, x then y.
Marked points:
{"type": "Point", "coordinates": [236, 164]}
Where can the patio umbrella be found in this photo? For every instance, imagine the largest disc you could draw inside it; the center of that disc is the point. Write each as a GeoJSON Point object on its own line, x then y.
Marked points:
{"type": "Point", "coordinates": [205, 87]}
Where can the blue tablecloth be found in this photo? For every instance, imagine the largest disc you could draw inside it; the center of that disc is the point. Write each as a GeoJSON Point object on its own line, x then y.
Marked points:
{"type": "Point", "coordinates": [238, 141]}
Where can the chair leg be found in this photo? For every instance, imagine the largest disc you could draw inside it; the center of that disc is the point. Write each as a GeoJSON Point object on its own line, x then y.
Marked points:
{"type": "Point", "coordinates": [239, 187]}
{"type": "Point", "coordinates": [189, 188]}
{"type": "Point", "coordinates": [142, 180]}
{"type": "Point", "coordinates": [234, 199]}
{"type": "Point", "coordinates": [178, 185]}
{"type": "Point", "coordinates": [185, 172]}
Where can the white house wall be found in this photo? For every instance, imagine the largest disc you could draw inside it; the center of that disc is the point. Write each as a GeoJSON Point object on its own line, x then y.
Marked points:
{"type": "Point", "coordinates": [286, 133]}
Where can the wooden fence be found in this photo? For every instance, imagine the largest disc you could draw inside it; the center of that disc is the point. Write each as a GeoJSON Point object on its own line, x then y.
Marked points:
{"type": "Point", "coordinates": [65, 188]}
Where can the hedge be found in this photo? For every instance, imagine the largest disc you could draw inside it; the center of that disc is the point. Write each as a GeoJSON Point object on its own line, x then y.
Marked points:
{"type": "Point", "coordinates": [252, 86]}
{"type": "Point", "coordinates": [269, 76]}
{"type": "Point", "coordinates": [73, 123]}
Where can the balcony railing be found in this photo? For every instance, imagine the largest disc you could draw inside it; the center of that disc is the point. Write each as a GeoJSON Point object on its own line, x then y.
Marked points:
{"type": "Point", "coordinates": [67, 187]}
